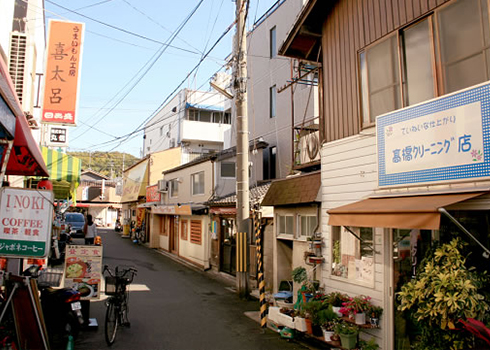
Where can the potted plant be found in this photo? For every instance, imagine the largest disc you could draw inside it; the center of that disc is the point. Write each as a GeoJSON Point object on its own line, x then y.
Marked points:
{"type": "Point", "coordinates": [348, 334]}
{"type": "Point", "coordinates": [443, 292]}
{"type": "Point", "coordinates": [356, 308]}
{"type": "Point", "coordinates": [327, 319]}
{"type": "Point", "coordinates": [368, 345]}
{"type": "Point", "coordinates": [313, 311]}
{"type": "Point", "coordinates": [374, 313]}
{"type": "Point", "coordinates": [336, 299]}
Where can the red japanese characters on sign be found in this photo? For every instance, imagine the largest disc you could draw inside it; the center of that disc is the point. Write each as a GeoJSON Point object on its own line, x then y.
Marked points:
{"type": "Point", "coordinates": [62, 72]}
{"type": "Point", "coordinates": [152, 194]}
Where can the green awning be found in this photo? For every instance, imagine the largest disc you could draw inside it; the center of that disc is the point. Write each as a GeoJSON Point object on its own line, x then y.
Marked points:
{"type": "Point", "coordinates": [64, 173]}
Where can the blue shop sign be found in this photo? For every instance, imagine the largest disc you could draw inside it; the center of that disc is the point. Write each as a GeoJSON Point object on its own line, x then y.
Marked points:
{"type": "Point", "coordinates": [439, 141]}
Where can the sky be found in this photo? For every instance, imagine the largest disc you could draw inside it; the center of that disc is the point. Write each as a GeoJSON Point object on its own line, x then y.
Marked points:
{"type": "Point", "coordinates": [135, 54]}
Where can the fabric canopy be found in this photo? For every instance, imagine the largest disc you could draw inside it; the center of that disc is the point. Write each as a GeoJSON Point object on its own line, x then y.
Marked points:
{"type": "Point", "coordinates": [64, 172]}
{"type": "Point", "coordinates": [25, 158]}
{"type": "Point", "coordinates": [415, 212]}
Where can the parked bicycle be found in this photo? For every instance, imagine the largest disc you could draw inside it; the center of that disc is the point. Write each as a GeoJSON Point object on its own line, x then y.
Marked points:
{"type": "Point", "coordinates": [116, 286]}
{"type": "Point", "coordinates": [139, 235]}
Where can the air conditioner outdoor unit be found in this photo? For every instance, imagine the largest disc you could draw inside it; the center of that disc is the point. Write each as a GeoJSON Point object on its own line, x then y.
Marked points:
{"type": "Point", "coordinates": [162, 185]}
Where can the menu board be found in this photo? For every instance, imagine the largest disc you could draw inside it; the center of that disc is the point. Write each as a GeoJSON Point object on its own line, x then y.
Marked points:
{"type": "Point", "coordinates": [83, 269]}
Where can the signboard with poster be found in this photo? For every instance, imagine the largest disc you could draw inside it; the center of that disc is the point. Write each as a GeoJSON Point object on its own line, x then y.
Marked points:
{"type": "Point", "coordinates": [57, 136]}
{"type": "Point", "coordinates": [26, 217]}
{"type": "Point", "coordinates": [63, 60]}
{"type": "Point", "coordinates": [83, 269]}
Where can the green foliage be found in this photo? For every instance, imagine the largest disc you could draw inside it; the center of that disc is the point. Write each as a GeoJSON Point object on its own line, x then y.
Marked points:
{"type": "Point", "coordinates": [368, 345]}
{"type": "Point", "coordinates": [313, 308]}
{"type": "Point", "coordinates": [299, 274]}
{"type": "Point", "coordinates": [346, 328]}
{"type": "Point", "coordinates": [103, 162]}
{"type": "Point", "coordinates": [337, 298]}
{"type": "Point", "coordinates": [443, 292]}
{"type": "Point", "coordinates": [327, 317]}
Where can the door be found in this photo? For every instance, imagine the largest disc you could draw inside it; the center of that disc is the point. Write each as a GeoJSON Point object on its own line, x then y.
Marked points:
{"type": "Point", "coordinates": [228, 246]}
{"type": "Point", "coordinates": [174, 234]}
{"type": "Point", "coordinates": [409, 248]}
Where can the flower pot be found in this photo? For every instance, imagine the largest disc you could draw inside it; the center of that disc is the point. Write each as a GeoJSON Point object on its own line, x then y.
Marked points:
{"type": "Point", "coordinates": [309, 326]}
{"type": "Point", "coordinates": [336, 309]}
{"type": "Point", "coordinates": [327, 335]}
{"type": "Point", "coordinates": [374, 322]}
{"type": "Point", "coordinates": [360, 318]}
{"type": "Point", "coordinates": [348, 341]}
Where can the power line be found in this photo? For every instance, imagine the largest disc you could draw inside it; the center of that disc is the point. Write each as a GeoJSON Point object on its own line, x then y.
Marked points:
{"type": "Point", "coordinates": [148, 66]}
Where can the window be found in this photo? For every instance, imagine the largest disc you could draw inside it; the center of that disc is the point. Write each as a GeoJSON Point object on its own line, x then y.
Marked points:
{"type": "Point", "coordinates": [272, 101]}
{"type": "Point", "coordinates": [308, 225]}
{"type": "Point", "coordinates": [435, 55]}
{"type": "Point", "coordinates": [197, 181]}
{"type": "Point", "coordinates": [272, 36]}
{"type": "Point", "coordinates": [286, 225]}
{"type": "Point", "coordinates": [353, 258]}
{"type": "Point", "coordinates": [228, 169]}
{"type": "Point", "coordinates": [196, 232]}
{"type": "Point", "coordinates": [269, 163]}
{"type": "Point", "coordinates": [174, 188]}
{"type": "Point", "coordinates": [183, 230]}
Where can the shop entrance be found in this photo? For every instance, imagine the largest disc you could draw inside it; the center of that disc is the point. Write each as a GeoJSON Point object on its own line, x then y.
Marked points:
{"type": "Point", "coordinates": [228, 246]}
{"type": "Point", "coordinates": [409, 248]}
{"type": "Point", "coordinates": [174, 234]}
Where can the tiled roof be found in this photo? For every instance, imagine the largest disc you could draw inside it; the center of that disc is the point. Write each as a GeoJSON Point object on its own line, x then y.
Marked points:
{"type": "Point", "coordinates": [257, 193]}
{"type": "Point", "coordinates": [294, 190]}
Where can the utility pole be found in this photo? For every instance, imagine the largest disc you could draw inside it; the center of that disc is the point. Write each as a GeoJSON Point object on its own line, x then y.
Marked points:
{"type": "Point", "coordinates": [242, 203]}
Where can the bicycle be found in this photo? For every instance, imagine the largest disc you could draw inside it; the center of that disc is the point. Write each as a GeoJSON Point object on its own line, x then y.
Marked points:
{"type": "Point", "coordinates": [117, 304]}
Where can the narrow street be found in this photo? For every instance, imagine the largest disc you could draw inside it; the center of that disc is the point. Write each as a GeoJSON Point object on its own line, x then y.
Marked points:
{"type": "Point", "coordinates": [175, 307]}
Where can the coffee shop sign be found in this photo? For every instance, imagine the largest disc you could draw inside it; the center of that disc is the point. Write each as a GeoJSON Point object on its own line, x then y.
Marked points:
{"type": "Point", "coordinates": [26, 222]}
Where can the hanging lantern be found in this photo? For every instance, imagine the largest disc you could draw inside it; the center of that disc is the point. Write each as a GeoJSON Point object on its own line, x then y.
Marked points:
{"type": "Point", "coordinates": [45, 185]}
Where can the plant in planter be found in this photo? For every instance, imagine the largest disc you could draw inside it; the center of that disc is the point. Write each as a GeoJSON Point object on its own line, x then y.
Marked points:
{"type": "Point", "coordinates": [356, 308]}
{"type": "Point", "coordinates": [313, 310]}
{"type": "Point", "coordinates": [348, 334]}
{"type": "Point", "coordinates": [368, 345]}
{"type": "Point", "coordinates": [374, 313]}
{"type": "Point", "coordinates": [443, 292]}
{"type": "Point", "coordinates": [327, 319]}
{"type": "Point", "coordinates": [337, 299]}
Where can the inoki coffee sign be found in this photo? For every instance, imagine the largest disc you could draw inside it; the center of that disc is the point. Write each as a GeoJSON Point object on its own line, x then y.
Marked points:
{"type": "Point", "coordinates": [26, 222]}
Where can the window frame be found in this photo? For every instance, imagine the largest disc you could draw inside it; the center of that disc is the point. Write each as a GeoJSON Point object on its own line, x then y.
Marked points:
{"type": "Point", "coordinates": [193, 190]}
{"type": "Point", "coordinates": [273, 42]}
{"type": "Point", "coordinates": [286, 234]}
{"type": "Point", "coordinates": [336, 235]}
{"type": "Point", "coordinates": [300, 225]}
{"type": "Point", "coordinates": [273, 102]}
{"type": "Point", "coordinates": [226, 176]}
{"type": "Point", "coordinates": [438, 76]}
{"type": "Point", "coordinates": [174, 186]}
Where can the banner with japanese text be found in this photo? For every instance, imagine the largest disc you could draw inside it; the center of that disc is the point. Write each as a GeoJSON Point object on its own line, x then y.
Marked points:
{"type": "Point", "coordinates": [61, 79]}
{"type": "Point", "coordinates": [26, 219]}
{"type": "Point", "coordinates": [443, 140]}
{"type": "Point", "coordinates": [83, 269]}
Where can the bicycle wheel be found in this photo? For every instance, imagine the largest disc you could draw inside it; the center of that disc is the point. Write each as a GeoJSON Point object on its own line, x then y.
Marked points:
{"type": "Point", "coordinates": [111, 322]}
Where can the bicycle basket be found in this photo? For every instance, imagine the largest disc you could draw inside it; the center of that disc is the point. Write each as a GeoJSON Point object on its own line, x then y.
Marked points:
{"type": "Point", "coordinates": [110, 285]}
{"type": "Point", "coordinates": [50, 278]}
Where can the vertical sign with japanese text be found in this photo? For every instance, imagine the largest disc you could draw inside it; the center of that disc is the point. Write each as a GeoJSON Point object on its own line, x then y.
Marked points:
{"type": "Point", "coordinates": [61, 79]}
{"type": "Point", "coordinates": [26, 219]}
{"type": "Point", "coordinates": [442, 140]}
{"type": "Point", "coordinates": [58, 136]}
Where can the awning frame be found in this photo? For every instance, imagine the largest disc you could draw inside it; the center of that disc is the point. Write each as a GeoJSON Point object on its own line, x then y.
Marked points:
{"type": "Point", "coordinates": [371, 247]}
{"type": "Point", "coordinates": [486, 253]}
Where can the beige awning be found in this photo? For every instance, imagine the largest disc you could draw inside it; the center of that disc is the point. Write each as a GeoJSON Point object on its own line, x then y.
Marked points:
{"type": "Point", "coordinates": [416, 212]}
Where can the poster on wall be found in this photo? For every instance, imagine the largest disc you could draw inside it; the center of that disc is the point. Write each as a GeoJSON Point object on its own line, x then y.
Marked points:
{"type": "Point", "coordinates": [83, 269]}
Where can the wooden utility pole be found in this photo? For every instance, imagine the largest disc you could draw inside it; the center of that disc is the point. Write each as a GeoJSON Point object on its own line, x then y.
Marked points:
{"type": "Point", "coordinates": [242, 203]}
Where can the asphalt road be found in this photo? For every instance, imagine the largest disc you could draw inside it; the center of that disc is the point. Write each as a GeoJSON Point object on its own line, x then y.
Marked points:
{"type": "Point", "coordinates": [176, 307]}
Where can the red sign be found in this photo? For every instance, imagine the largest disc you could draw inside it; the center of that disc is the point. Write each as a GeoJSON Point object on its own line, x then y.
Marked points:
{"type": "Point", "coordinates": [152, 194]}
{"type": "Point", "coordinates": [62, 72]}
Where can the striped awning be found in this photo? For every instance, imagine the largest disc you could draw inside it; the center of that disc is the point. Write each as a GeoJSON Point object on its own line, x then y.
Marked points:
{"type": "Point", "coordinates": [64, 173]}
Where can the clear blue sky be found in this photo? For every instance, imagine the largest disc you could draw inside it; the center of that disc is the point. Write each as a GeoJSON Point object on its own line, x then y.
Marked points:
{"type": "Point", "coordinates": [122, 37]}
